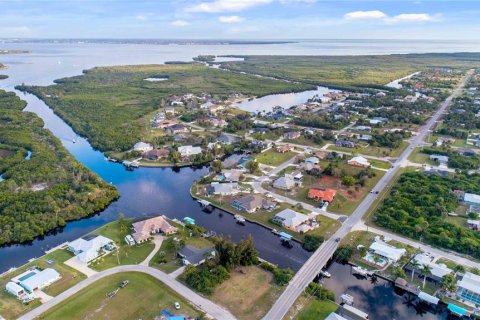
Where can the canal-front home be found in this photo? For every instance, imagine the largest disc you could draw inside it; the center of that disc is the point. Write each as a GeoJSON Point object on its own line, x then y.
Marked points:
{"type": "Point", "coordinates": [145, 229]}
{"type": "Point", "coordinates": [253, 202]}
{"type": "Point", "coordinates": [90, 247]}
{"type": "Point", "coordinates": [469, 288]}
{"type": "Point", "coordinates": [385, 250]}
{"type": "Point", "coordinates": [292, 220]}
{"type": "Point", "coordinates": [223, 189]}
{"type": "Point", "coordinates": [437, 270]}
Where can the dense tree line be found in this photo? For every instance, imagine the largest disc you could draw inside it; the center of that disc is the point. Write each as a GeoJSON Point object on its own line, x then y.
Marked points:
{"type": "Point", "coordinates": [43, 192]}
{"type": "Point", "coordinates": [389, 139]}
{"type": "Point", "coordinates": [322, 121]}
{"type": "Point", "coordinates": [455, 160]}
{"type": "Point", "coordinates": [418, 205]}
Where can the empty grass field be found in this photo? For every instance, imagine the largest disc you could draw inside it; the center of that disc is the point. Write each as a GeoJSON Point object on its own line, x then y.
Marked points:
{"type": "Point", "coordinates": [143, 298]}
{"type": "Point", "coordinates": [273, 158]}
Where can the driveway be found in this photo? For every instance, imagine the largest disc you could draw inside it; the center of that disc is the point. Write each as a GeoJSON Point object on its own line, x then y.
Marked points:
{"type": "Point", "coordinates": [80, 266]}
{"type": "Point", "coordinates": [157, 240]}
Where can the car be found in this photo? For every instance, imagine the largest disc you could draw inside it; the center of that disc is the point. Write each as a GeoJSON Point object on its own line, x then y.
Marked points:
{"type": "Point", "coordinates": [123, 284]}
{"type": "Point", "coordinates": [177, 305]}
{"type": "Point", "coordinates": [337, 240]}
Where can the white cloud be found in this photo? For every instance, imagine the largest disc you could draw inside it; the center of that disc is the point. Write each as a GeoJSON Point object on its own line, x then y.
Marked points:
{"type": "Point", "coordinates": [180, 23]}
{"type": "Point", "coordinates": [226, 5]}
{"type": "Point", "coordinates": [15, 31]}
{"type": "Point", "coordinates": [365, 15]}
{"type": "Point", "coordinates": [237, 30]}
{"type": "Point", "coordinates": [230, 19]}
{"type": "Point", "coordinates": [142, 17]}
{"type": "Point", "coordinates": [412, 17]}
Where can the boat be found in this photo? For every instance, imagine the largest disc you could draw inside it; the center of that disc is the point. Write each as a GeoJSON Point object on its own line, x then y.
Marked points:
{"type": "Point", "coordinates": [74, 141]}
{"type": "Point", "coordinates": [274, 231]}
{"type": "Point", "coordinates": [347, 299]}
{"type": "Point", "coordinates": [240, 219]}
{"type": "Point", "coordinates": [286, 243]}
{"type": "Point", "coordinates": [189, 220]}
{"type": "Point", "coordinates": [361, 271]}
{"type": "Point", "coordinates": [325, 273]}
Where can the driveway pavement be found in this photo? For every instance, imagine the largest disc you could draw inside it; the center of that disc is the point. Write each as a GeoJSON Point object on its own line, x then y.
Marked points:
{"type": "Point", "coordinates": [80, 266]}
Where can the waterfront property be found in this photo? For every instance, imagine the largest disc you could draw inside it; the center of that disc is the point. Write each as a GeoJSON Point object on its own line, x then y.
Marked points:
{"type": "Point", "coordinates": [437, 270]}
{"type": "Point", "coordinates": [469, 288]}
{"type": "Point", "coordinates": [293, 220]}
{"type": "Point", "coordinates": [223, 189]}
{"type": "Point", "coordinates": [253, 202]}
{"type": "Point", "coordinates": [142, 146]}
{"type": "Point", "coordinates": [143, 230]}
{"type": "Point", "coordinates": [386, 250]}
{"type": "Point", "coordinates": [193, 256]}
{"type": "Point", "coordinates": [91, 247]}
{"type": "Point", "coordinates": [24, 285]}
{"type": "Point", "coordinates": [471, 199]}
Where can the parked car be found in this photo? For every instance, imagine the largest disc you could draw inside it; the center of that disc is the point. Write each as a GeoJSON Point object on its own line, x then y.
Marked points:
{"type": "Point", "coordinates": [123, 284]}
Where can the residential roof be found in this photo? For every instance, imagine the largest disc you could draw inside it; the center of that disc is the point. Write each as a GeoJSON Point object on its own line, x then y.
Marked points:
{"type": "Point", "coordinates": [284, 183]}
{"type": "Point", "coordinates": [224, 188]}
{"type": "Point", "coordinates": [142, 146]}
{"type": "Point", "coordinates": [13, 287]}
{"type": "Point", "coordinates": [388, 251]}
{"type": "Point", "coordinates": [87, 250]}
{"type": "Point", "coordinates": [193, 255]}
{"type": "Point", "coordinates": [232, 175]}
{"type": "Point", "coordinates": [439, 158]}
{"type": "Point", "coordinates": [291, 218]}
{"type": "Point", "coordinates": [437, 270]}
{"type": "Point", "coordinates": [39, 280]}
{"type": "Point", "coordinates": [325, 195]}
{"type": "Point", "coordinates": [361, 160]}
{"type": "Point", "coordinates": [189, 150]}
{"type": "Point", "coordinates": [334, 316]}
{"type": "Point", "coordinates": [471, 198]}
{"type": "Point", "coordinates": [470, 282]}
{"type": "Point", "coordinates": [144, 228]}
{"type": "Point", "coordinates": [313, 160]}
{"type": "Point", "coordinates": [250, 202]}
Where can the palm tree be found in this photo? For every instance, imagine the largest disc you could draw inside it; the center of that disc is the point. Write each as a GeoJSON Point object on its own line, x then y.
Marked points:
{"type": "Point", "coordinates": [414, 264]}
{"type": "Point", "coordinates": [426, 270]}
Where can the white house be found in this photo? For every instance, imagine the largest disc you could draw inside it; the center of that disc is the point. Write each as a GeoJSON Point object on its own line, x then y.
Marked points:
{"type": "Point", "coordinates": [40, 280]}
{"type": "Point", "coordinates": [284, 183]}
{"type": "Point", "coordinates": [471, 199]}
{"type": "Point", "coordinates": [387, 251]}
{"type": "Point", "coordinates": [290, 219]}
{"type": "Point", "coordinates": [359, 162]}
{"type": "Point", "coordinates": [142, 146]}
{"type": "Point", "coordinates": [187, 151]}
{"type": "Point", "coordinates": [223, 189]}
{"type": "Point", "coordinates": [469, 288]}
{"type": "Point", "coordinates": [18, 291]}
{"type": "Point", "coordinates": [438, 270]}
{"type": "Point", "coordinates": [89, 250]}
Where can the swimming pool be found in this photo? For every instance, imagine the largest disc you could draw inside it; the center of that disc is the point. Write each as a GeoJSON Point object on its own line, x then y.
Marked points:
{"type": "Point", "coordinates": [371, 259]}
{"type": "Point", "coordinates": [25, 277]}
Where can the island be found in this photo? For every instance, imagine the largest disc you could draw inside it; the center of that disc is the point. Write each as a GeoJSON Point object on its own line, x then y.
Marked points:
{"type": "Point", "coordinates": [41, 184]}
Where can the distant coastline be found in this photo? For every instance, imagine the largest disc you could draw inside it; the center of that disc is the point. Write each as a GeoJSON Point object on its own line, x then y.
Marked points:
{"type": "Point", "coordinates": [152, 41]}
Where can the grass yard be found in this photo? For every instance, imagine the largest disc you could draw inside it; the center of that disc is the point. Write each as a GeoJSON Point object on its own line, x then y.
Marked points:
{"type": "Point", "coordinates": [143, 298]}
{"type": "Point", "coordinates": [307, 142]}
{"type": "Point", "coordinates": [126, 254]}
{"type": "Point", "coordinates": [309, 308]}
{"type": "Point", "coordinates": [380, 164]}
{"type": "Point", "coordinates": [248, 293]}
{"type": "Point", "coordinates": [11, 308]}
{"type": "Point", "coordinates": [373, 151]}
{"type": "Point", "coordinates": [273, 158]}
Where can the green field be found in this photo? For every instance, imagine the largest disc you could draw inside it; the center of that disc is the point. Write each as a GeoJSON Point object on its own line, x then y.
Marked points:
{"type": "Point", "coordinates": [143, 298]}
{"type": "Point", "coordinates": [107, 105]}
{"type": "Point", "coordinates": [314, 309]}
{"type": "Point", "coordinates": [273, 158]}
{"type": "Point", "coordinates": [349, 70]}
{"type": "Point", "coordinates": [11, 308]}
{"type": "Point", "coordinates": [372, 150]}
{"type": "Point", "coordinates": [44, 185]}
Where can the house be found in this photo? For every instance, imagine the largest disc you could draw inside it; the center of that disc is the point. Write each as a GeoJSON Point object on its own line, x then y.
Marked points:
{"type": "Point", "coordinates": [142, 147]}
{"type": "Point", "coordinates": [177, 128]}
{"type": "Point", "coordinates": [322, 155]}
{"type": "Point", "coordinates": [468, 288]}
{"type": "Point", "coordinates": [290, 219]}
{"type": "Point", "coordinates": [312, 160]}
{"type": "Point", "coordinates": [193, 256]}
{"type": "Point", "coordinates": [362, 128]}
{"type": "Point", "coordinates": [284, 148]}
{"type": "Point", "coordinates": [38, 280]}
{"type": "Point", "coordinates": [187, 151]}
{"type": "Point", "coordinates": [164, 123]}
{"type": "Point", "coordinates": [437, 270]}
{"type": "Point", "coordinates": [473, 224]}
{"type": "Point", "coordinates": [219, 123]}
{"type": "Point", "coordinates": [471, 199]}
{"type": "Point", "coordinates": [297, 177]}
{"type": "Point", "coordinates": [364, 137]}
{"type": "Point", "coordinates": [387, 251]}
{"type": "Point", "coordinates": [284, 183]}
{"type": "Point", "coordinates": [326, 195]}
{"type": "Point", "coordinates": [18, 291]}
{"type": "Point", "coordinates": [345, 143]}
{"type": "Point", "coordinates": [156, 154]}
{"type": "Point", "coordinates": [224, 189]}
{"type": "Point", "coordinates": [259, 144]}
{"type": "Point", "coordinates": [232, 175]}
{"type": "Point", "coordinates": [227, 139]}
{"type": "Point", "coordinates": [90, 247]}
{"type": "Point", "coordinates": [214, 108]}
{"type": "Point", "coordinates": [169, 111]}
{"type": "Point", "coordinates": [252, 202]}
{"type": "Point", "coordinates": [143, 230]}
{"type": "Point", "coordinates": [359, 162]}
{"type": "Point", "coordinates": [443, 160]}
{"type": "Point", "coordinates": [292, 135]}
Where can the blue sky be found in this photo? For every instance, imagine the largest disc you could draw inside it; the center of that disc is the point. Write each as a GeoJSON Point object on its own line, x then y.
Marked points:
{"type": "Point", "coordinates": [241, 19]}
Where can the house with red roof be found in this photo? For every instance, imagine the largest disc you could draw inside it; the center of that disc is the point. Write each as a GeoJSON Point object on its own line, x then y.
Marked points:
{"type": "Point", "coordinates": [326, 195]}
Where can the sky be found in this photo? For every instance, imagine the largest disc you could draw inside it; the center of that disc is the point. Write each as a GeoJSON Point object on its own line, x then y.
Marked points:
{"type": "Point", "coordinates": [241, 19]}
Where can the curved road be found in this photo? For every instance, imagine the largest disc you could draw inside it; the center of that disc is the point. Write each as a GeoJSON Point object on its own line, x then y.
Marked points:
{"type": "Point", "coordinates": [320, 258]}
{"type": "Point", "coordinates": [205, 305]}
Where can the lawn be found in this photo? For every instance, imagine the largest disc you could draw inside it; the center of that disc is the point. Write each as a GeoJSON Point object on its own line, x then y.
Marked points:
{"type": "Point", "coordinates": [273, 158]}
{"type": "Point", "coordinates": [143, 298]}
{"type": "Point", "coordinates": [307, 142]}
{"type": "Point", "coordinates": [117, 231]}
{"type": "Point", "coordinates": [372, 150]}
{"type": "Point", "coordinates": [169, 253]}
{"type": "Point", "coordinates": [380, 164]}
{"type": "Point", "coordinates": [11, 308]}
{"type": "Point", "coordinates": [248, 293]}
{"type": "Point", "coordinates": [309, 308]}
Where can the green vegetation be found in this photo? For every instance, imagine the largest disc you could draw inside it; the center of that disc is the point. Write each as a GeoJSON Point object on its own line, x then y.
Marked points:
{"type": "Point", "coordinates": [455, 160]}
{"type": "Point", "coordinates": [311, 242]}
{"type": "Point", "coordinates": [143, 298]}
{"type": "Point", "coordinates": [44, 185]}
{"type": "Point", "coordinates": [417, 207]}
{"type": "Point", "coordinates": [12, 308]}
{"type": "Point", "coordinates": [273, 158]}
{"type": "Point", "coordinates": [281, 276]}
{"type": "Point", "coordinates": [107, 105]}
{"type": "Point", "coordinates": [315, 309]}
{"type": "Point", "coordinates": [349, 71]}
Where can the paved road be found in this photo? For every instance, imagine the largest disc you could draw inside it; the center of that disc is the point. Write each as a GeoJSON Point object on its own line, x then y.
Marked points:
{"type": "Point", "coordinates": [320, 258]}
{"type": "Point", "coordinates": [210, 308]}
{"type": "Point", "coordinates": [457, 258]}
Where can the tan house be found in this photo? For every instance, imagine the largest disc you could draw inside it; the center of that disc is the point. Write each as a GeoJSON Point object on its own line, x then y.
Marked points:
{"type": "Point", "coordinates": [143, 230]}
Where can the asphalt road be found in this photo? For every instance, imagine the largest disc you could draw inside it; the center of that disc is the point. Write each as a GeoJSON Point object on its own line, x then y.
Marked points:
{"type": "Point", "coordinates": [205, 305]}
{"type": "Point", "coordinates": [320, 258]}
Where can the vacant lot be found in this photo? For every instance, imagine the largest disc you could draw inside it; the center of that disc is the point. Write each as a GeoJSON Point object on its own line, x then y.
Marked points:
{"type": "Point", "coordinates": [143, 298]}
{"type": "Point", "coordinates": [309, 308]}
{"type": "Point", "coordinates": [11, 308]}
{"type": "Point", "coordinates": [248, 293]}
{"type": "Point", "coordinates": [372, 150]}
{"type": "Point", "coordinates": [273, 158]}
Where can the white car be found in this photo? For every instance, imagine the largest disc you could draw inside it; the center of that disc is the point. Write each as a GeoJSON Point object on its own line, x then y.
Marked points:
{"type": "Point", "coordinates": [177, 305]}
